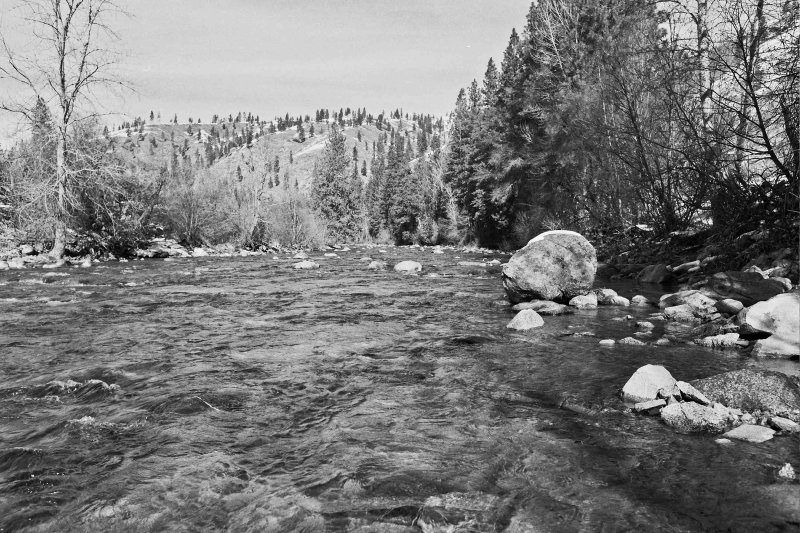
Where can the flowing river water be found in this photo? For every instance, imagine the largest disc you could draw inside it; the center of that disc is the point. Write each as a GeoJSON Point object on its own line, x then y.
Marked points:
{"type": "Point", "coordinates": [249, 396]}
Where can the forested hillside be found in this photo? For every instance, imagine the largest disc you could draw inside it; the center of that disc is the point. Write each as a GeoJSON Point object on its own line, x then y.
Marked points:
{"type": "Point", "coordinates": [615, 118]}
{"type": "Point", "coordinates": [604, 115]}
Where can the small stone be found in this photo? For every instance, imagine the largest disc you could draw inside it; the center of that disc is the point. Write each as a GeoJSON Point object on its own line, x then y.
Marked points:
{"type": "Point", "coordinates": [607, 342]}
{"type": "Point", "coordinates": [620, 301]}
{"type": "Point", "coordinates": [526, 319]}
{"type": "Point", "coordinates": [729, 306]}
{"type": "Point", "coordinates": [787, 472]}
{"type": "Point", "coordinates": [639, 300]}
{"type": "Point", "coordinates": [690, 417]}
{"type": "Point", "coordinates": [300, 255]}
{"type": "Point", "coordinates": [725, 340]}
{"type": "Point", "coordinates": [750, 433]}
{"type": "Point", "coordinates": [331, 254]}
{"type": "Point", "coordinates": [645, 383]}
{"type": "Point", "coordinates": [680, 313]}
{"type": "Point", "coordinates": [604, 296]}
{"type": "Point", "coordinates": [652, 407]}
{"type": "Point", "coordinates": [586, 301]}
{"type": "Point", "coordinates": [690, 394]}
{"type": "Point", "coordinates": [723, 441]}
{"type": "Point", "coordinates": [663, 341]}
{"type": "Point", "coordinates": [643, 324]}
{"type": "Point", "coordinates": [784, 424]}
{"type": "Point", "coordinates": [408, 267]}
{"type": "Point", "coordinates": [377, 265]}
{"type": "Point", "coordinates": [305, 265]}
{"type": "Point", "coordinates": [631, 341]}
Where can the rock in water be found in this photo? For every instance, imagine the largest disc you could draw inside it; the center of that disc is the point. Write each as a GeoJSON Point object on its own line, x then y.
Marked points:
{"type": "Point", "coordinates": [377, 265]}
{"type": "Point", "coordinates": [691, 417]}
{"type": "Point", "coordinates": [747, 287]}
{"type": "Point", "coordinates": [729, 306]}
{"type": "Point", "coordinates": [408, 267]}
{"type": "Point", "coordinates": [305, 265]}
{"type": "Point", "coordinates": [750, 433]}
{"type": "Point", "coordinates": [556, 265]}
{"type": "Point", "coordinates": [691, 394]}
{"type": "Point", "coordinates": [787, 472]}
{"type": "Point", "coordinates": [750, 390]}
{"type": "Point", "coordinates": [543, 307]}
{"type": "Point", "coordinates": [585, 301]}
{"type": "Point", "coordinates": [779, 316]}
{"type": "Point", "coordinates": [526, 319]}
{"type": "Point", "coordinates": [644, 384]}
{"type": "Point", "coordinates": [655, 274]}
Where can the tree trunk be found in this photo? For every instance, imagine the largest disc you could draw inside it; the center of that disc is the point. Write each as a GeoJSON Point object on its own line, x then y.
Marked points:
{"type": "Point", "coordinates": [60, 212]}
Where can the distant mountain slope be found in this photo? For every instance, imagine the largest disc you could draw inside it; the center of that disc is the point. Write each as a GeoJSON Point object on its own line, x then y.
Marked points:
{"type": "Point", "coordinates": [154, 145]}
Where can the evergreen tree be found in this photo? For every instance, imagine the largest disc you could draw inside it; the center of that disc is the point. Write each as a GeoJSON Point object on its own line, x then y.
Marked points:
{"type": "Point", "coordinates": [335, 192]}
{"type": "Point", "coordinates": [301, 133]}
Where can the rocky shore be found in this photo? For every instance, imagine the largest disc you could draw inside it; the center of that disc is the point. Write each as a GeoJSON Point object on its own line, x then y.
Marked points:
{"type": "Point", "coordinates": [756, 312]}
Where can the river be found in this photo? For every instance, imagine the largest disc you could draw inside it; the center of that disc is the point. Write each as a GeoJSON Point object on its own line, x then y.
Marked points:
{"type": "Point", "coordinates": [250, 396]}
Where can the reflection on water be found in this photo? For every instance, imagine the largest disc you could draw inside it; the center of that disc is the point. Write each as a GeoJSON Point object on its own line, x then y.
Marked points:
{"type": "Point", "coordinates": [240, 394]}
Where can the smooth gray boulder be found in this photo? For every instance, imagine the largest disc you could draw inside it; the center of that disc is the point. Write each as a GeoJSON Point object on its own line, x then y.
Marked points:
{"type": "Point", "coordinates": [644, 384]}
{"type": "Point", "coordinates": [556, 265]}
{"type": "Point", "coordinates": [305, 265]}
{"type": "Point", "coordinates": [526, 319]}
{"type": "Point", "coordinates": [408, 267]}
{"type": "Point", "coordinates": [750, 433]}
{"type": "Point", "coordinates": [584, 301]}
{"type": "Point", "coordinates": [751, 389]}
{"type": "Point", "coordinates": [690, 417]}
{"type": "Point", "coordinates": [729, 306]}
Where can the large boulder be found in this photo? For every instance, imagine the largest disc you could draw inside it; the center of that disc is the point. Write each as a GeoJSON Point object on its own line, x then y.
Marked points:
{"type": "Point", "coordinates": [690, 417]}
{"type": "Point", "coordinates": [645, 383]}
{"type": "Point", "coordinates": [751, 389]}
{"type": "Point", "coordinates": [747, 287]}
{"type": "Point", "coordinates": [556, 265]}
{"type": "Point", "coordinates": [779, 316]}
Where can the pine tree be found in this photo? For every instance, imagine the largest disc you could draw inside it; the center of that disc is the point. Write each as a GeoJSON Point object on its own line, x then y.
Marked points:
{"type": "Point", "coordinates": [301, 133]}
{"type": "Point", "coordinates": [364, 168]}
{"type": "Point", "coordinates": [335, 192]}
{"type": "Point", "coordinates": [151, 116]}
{"type": "Point", "coordinates": [490, 84]}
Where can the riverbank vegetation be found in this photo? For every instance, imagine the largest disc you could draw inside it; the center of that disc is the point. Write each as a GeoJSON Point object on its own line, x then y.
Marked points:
{"type": "Point", "coordinates": [625, 122]}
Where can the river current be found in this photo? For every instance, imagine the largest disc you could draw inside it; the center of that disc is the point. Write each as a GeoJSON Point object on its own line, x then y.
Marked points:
{"type": "Point", "coordinates": [240, 394]}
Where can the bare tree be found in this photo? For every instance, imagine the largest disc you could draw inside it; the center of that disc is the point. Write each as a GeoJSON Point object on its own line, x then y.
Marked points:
{"type": "Point", "coordinates": [70, 62]}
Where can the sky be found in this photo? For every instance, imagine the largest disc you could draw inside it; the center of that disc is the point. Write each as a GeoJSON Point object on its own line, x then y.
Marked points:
{"type": "Point", "coordinates": [269, 57]}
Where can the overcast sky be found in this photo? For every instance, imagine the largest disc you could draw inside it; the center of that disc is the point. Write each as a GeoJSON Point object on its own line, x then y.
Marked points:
{"type": "Point", "coordinates": [199, 57]}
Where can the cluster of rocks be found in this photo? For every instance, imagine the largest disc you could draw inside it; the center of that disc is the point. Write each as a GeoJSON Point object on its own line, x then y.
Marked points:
{"type": "Point", "coordinates": [751, 405]}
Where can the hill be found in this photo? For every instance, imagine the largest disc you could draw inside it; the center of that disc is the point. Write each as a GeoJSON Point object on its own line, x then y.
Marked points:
{"type": "Point", "coordinates": [222, 148]}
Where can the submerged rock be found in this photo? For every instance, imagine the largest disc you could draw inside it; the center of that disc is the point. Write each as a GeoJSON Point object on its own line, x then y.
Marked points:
{"type": "Point", "coordinates": [644, 384]}
{"type": "Point", "coordinates": [639, 300]}
{"type": "Point", "coordinates": [750, 433]}
{"type": "Point", "coordinates": [607, 342]}
{"type": "Point", "coordinates": [556, 265]}
{"type": "Point", "coordinates": [631, 341]}
{"type": "Point", "coordinates": [752, 389]}
{"type": "Point", "coordinates": [377, 265]}
{"type": "Point", "coordinates": [300, 255]}
{"type": "Point", "coordinates": [690, 417]}
{"type": "Point", "coordinates": [779, 316]}
{"type": "Point", "coordinates": [408, 267]}
{"type": "Point", "coordinates": [526, 319]}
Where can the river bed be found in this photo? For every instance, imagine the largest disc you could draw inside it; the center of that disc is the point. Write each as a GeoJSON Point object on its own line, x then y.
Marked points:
{"type": "Point", "coordinates": [254, 397]}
